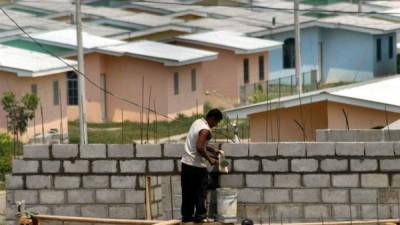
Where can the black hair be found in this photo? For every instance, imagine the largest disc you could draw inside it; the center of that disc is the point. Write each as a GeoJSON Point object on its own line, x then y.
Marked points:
{"type": "Point", "coordinates": [215, 114]}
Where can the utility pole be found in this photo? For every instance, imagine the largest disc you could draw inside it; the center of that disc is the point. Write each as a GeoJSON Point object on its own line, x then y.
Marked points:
{"type": "Point", "coordinates": [81, 79]}
{"type": "Point", "coordinates": [299, 82]}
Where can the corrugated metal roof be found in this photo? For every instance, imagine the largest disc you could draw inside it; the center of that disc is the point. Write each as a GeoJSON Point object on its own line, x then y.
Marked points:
{"type": "Point", "coordinates": [362, 22]}
{"type": "Point", "coordinates": [223, 24]}
{"type": "Point", "coordinates": [146, 19]}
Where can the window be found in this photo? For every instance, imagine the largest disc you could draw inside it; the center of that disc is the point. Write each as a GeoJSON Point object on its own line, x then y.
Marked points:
{"type": "Point", "coordinates": [390, 47]}
{"type": "Point", "coordinates": [56, 93]}
{"type": "Point", "coordinates": [289, 54]}
{"type": "Point", "coordinates": [246, 71]}
{"type": "Point", "coordinates": [194, 84]}
{"type": "Point", "coordinates": [261, 67]}
{"type": "Point", "coordinates": [176, 83]}
{"type": "Point", "coordinates": [72, 80]}
{"type": "Point", "coordinates": [34, 89]}
{"type": "Point", "coordinates": [378, 49]}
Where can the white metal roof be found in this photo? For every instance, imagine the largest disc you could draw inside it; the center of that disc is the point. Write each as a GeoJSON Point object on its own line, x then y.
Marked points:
{"type": "Point", "coordinates": [67, 38]}
{"type": "Point", "coordinates": [31, 64]}
{"type": "Point", "coordinates": [228, 24]}
{"type": "Point", "coordinates": [232, 41]}
{"type": "Point", "coordinates": [146, 19]}
{"type": "Point", "coordinates": [169, 55]}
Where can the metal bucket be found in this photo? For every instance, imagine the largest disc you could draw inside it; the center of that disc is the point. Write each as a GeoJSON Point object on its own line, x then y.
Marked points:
{"type": "Point", "coordinates": [227, 205]}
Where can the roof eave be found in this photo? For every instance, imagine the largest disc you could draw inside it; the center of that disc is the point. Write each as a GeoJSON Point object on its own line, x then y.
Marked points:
{"type": "Point", "coordinates": [259, 50]}
{"type": "Point", "coordinates": [193, 61]}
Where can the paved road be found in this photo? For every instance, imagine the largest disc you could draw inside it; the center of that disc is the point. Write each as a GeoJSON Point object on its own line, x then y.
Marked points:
{"type": "Point", "coordinates": [2, 206]}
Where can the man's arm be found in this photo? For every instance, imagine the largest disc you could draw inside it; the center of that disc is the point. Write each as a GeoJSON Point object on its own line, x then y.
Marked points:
{"type": "Point", "coordinates": [201, 146]}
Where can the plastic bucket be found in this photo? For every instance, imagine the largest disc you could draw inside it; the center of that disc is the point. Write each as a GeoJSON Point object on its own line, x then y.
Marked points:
{"type": "Point", "coordinates": [227, 205]}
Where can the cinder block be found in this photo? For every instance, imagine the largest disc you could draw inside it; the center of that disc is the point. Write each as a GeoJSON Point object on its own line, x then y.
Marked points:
{"type": "Point", "coordinates": [304, 165]}
{"type": "Point", "coordinates": [67, 210]}
{"type": "Point", "coordinates": [80, 196]}
{"type": "Point", "coordinates": [38, 182]}
{"type": "Point", "coordinates": [36, 152]}
{"type": "Point", "coordinates": [24, 167]}
{"type": "Point", "coordinates": [316, 211]}
{"type": "Point", "coordinates": [279, 165]}
{"type": "Point", "coordinates": [345, 180]}
{"type": "Point", "coordinates": [335, 195]}
{"type": "Point", "coordinates": [67, 182]}
{"type": "Point", "coordinates": [40, 209]}
{"type": "Point", "coordinates": [276, 195]}
{"type": "Point", "coordinates": [104, 166]}
{"type": "Point", "coordinates": [306, 195]}
{"type": "Point", "coordinates": [250, 195]}
{"type": "Point", "coordinates": [123, 212]}
{"type": "Point", "coordinates": [77, 166]}
{"type": "Point", "coordinates": [174, 150]}
{"type": "Point", "coordinates": [287, 180]}
{"type": "Point", "coordinates": [373, 211]}
{"type": "Point", "coordinates": [342, 212]}
{"type": "Point", "coordinates": [231, 180]}
{"type": "Point", "coordinates": [120, 151]}
{"type": "Point", "coordinates": [14, 182]}
{"type": "Point", "coordinates": [379, 149]}
{"type": "Point", "coordinates": [316, 180]}
{"type": "Point", "coordinates": [363, 195]}
{"type": "Point", "coordinates": [350, 149]}
{"type": "Point", "coordinates": [30, 196]}
{"type": "Point", "coordinates": [395, 180]}
{"type": "Point", "coordinates": [95, 181]}
{"type": "Point", "coordinates": [93, 151]}
{"type": "Point", "coordinates": [133, 166]}
{"type": "Point", "coordinates": [246, 165]}
{"type": "Point", "coordinates": [263, 149]}
{"type": "Point", "coordinates": [292, 149]}
{"type": "Point", "coordinates": [320, 149]}
{"type": "Point", "coordinates": [236, 150]}
{"type": "Point", "coordinates": [51, 197]}
{"type": "Point", "coordinates": [65, 151]}
{"type": "Point", "coordinates": [123, 181]}
{"type": "Point", "coordinates": [163, 165]}
{"type": "Point", "coordinates": [148, 151]}
{"type": "Point", "coordinates": [49, 166]}
{"type": "Point", "coordinates": [361, 165]}
{"type": "Point", "coordinates": [286, 211]}
{"type": "Point", "coordinates": [109, 196]}
{"type": "Point", "coordinates": [321, 135]}
{"type": "Point", "coordinates": [390, 164]}
{"type": "Point", "coordinates": [134, 196]}
{"type": "Point", "coordinates": [397, 148]}
{"type": "Point", "coordinates": [258, 180]}
{"type": "Point", "coordinates": [99, 211]}
{"type": "Point", "coordinates": [374, 180]}
{"type": "Point", "coordinates": [334, 165]}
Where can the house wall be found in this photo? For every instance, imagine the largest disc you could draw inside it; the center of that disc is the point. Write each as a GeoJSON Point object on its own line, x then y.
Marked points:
{"type": "Point", "coordinates": [51, 113]}
{"type": "Point", "coordinates": [386, 66]}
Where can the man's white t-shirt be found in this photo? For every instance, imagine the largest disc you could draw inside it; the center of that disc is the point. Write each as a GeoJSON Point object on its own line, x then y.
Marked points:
{"type": "Point", "coordinates": [191, 156]}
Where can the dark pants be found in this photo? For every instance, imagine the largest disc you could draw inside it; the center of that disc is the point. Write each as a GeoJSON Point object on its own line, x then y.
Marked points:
{"type": "Point", "coordinates": [194, 182]}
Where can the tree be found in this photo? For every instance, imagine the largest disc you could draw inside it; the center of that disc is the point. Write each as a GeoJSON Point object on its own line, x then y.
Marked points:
{"type": "Point", "coordinates": [259, 95]}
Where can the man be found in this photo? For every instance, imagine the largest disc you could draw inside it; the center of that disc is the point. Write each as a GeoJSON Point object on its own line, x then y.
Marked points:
{"type": "Point", "coordinates": [194, 176]}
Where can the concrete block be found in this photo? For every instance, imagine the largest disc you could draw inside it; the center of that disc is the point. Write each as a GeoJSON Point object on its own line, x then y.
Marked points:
{"type": "Point", "coordinates": [286, 211]}
{"type": "Point", "coordinates": [258, 180]}
{"type": "Point", "coordinates": [389, 164]}
{"type": "Point", "coordinates": [163, 165]}
{"type": "Point", "coordinates": [276, 195]}
{"type": "Point", "coordinates": [123, 212]}
{"type": "Point", "coordinates": [287, 180]}
{"type": "Point", "coordinates": [38, 182]}
{"type": "Point", "coordinates": [379, 149]}
{"type": "Point", "coordinates": [250, 195]}
{"type": "Point", "coordinates": [123, 181]}
{"type": "Point", "coordinates": [334, 165]}
{"type": "Point", "coordinates": [41, 209]}
{"type": "Point", "coordinates": [93, 151]}
{"type": "Point", "coordinates": [246, 165]}
{"type": "Point", "coordinates": [344, 212]}
{"type": "Point", "coordinates": [363, 195]}
{"type": "Point", "coordinates": [30, 196]}
{"type": "Point", "coordinates": [49, 166]}
{"type": "Point", "coordinates": [77, 166]}
{"type": "Point", "coordinates": [335, 195]}
{"type": "Point", "coordinates": [95, 181]}
{"type": "Point", "coordinates": [292, 149]}
{"type": "Point", "coordinates": [120, 151]}
{"type": "Point", "coordinates": [345, 180]}
{"type": "Point", "coordinates": [395, 180]}
{"type": "Point", "coordinates": [67, 182]}
{"type": "Point", "coordinates": [134, 196]}
{"type": "Point", "coordinates": [231, 180]}
{"type": "Point", "coordinates": [133, 166]}
{"type": "Point", "coordinates": [148, 151]}
{"type": "Point", "coordinates": [99, 211]}
{"type": "Point", "coordinates": [374, 180]}
{"type": "Point", "coordinates": [24, 167]}
{"type": "Point", "coordinates": [397, 148]}
{"type": "Point", "coordinates": [304, 165]}
{"type": "Point", "coordinates": [174, 150]}
{"type": "Point", "coordinates": [51, 197]}
{"type": "Point", "coordinates": [104, 166]}
{"type": "Point", "coordinates": [306, 195]}
{"type": "Point", "coordinates": [14, 182]}
{"type": "Point", "coordinates": [321, 135]}
{"type": "Point", "coordinates": [371, 211]}
{"type": "Point", "coordinates": [110, 196]}
{"type": "Point", "coordinates": [279, 165]}
{"type": "Point", "coordinates": [80, 196]}
{"type": "Point", "coordinates": [350, 149]}
{"type": "Point", "coordinates": [362, 165]}
{"type": "Point", "coordinates": [67, 210]}
{"type": "Point", "coordinates": [65, 151]}
{"type": "Point", "coordinates": [263, 149]}
{"type": "Point", "coordinates": [36, 152]}
{"type": "Point", "coordinates": [320, 149]}
{"type": "Point", "coordinates": [316, 211]}
{"type": "Point", "coordinates": [236, 150]}
{"type": "Point", "coordinates": [316, 180]}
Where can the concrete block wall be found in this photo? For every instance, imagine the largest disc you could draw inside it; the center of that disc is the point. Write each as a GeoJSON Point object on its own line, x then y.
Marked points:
{"type": "Point", "coordinates": [275, 181]}
{"type": "Point", "coordinates": [359, 135]}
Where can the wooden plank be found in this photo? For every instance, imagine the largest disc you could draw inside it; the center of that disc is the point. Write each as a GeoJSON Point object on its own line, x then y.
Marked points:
{"type": "Point", "coordinates": [148, 198]}
{"type": "Point", "coordinates": [169, 222]}
{"type": "Point", "coordinates": [95, 220]}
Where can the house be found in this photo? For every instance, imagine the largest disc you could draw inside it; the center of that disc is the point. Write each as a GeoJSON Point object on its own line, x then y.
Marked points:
{"type": "Point", "coordinates": [241, 60]}
{"type": "Point", "coordinates": [367, 105]}
{"type": "Point", "coordinates": [23, 71]}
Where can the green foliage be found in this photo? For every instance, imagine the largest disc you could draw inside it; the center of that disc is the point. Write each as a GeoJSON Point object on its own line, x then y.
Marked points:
{"type": "Point", "coordinates": [207, 107]}
{"type": "Point", "coordinates": [259, 95]}
{"type": "Point", "coordinates": [6, 148]}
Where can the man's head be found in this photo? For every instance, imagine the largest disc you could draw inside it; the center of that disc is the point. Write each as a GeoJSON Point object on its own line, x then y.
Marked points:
{"type": "Point", "coordinates": [213, 117]}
